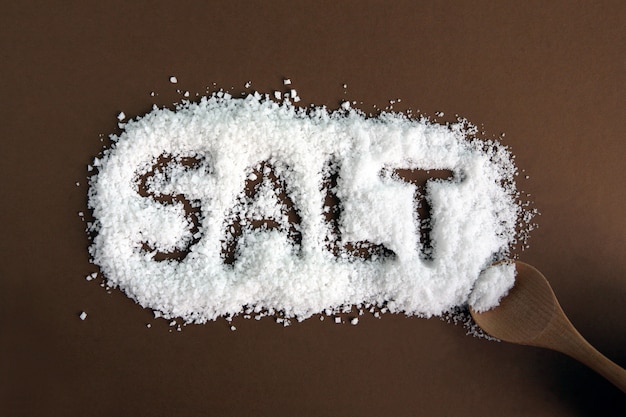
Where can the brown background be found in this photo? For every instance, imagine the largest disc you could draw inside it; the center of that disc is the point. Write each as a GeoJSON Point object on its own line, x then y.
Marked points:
{"type": "Point", "coordinates": [551, 75]}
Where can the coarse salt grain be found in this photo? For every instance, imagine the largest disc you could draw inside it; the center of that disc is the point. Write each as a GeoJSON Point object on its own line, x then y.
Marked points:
{"type": "Point", "coordinates": [83, 315]}
{"type": "Point", "coordinates": [173, 79]}
{"type": "Point", "coordinates": [473, 223]}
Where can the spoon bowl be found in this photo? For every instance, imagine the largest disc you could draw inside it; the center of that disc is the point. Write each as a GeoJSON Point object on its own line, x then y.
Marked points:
{"type": "Point", "coordinates": [531, 315]}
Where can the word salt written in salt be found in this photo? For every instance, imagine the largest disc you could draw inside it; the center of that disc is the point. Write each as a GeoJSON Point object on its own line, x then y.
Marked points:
{"type": "Point", "coordinates": [178, 181]}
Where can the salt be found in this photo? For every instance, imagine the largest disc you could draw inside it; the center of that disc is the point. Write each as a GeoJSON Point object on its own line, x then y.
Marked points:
{"type": "Point", "coordinates": [173, 80]}
{"type": "Point", "coordinates": [83, 315]}
{"type": "Point", "coordinates": [300, 266]}
{"type": "Point", "coordinates": [491, 286]}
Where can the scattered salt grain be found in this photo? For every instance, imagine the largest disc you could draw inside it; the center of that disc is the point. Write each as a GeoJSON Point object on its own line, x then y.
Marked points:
{"type": "Point", "coordinates": [83, 315]}
{"type": "Point", "coordinates": [173, 80]}
{"type": "Point", "coordinates": [299, 267]}
{"type": "Point", "coordinates": [286, 81]}
{"type": "Point", "coordinates": [121, 116]}
{"type": "Point", "coordinates": [354, 321]}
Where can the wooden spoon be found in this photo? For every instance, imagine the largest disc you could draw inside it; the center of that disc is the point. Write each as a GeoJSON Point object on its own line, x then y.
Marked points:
{"type": "Point", "coordinates": [531, 315]}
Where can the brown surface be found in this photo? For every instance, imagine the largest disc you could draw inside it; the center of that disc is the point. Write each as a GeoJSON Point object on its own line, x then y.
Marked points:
{"type": "Point", "coordinates": [551, 77]}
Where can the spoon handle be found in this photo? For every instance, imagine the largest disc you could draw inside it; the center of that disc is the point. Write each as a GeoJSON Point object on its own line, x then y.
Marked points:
{"type": "Point", "coordinates": [573, 344]}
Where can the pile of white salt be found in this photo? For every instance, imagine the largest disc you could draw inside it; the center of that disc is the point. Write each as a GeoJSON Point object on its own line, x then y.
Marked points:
{"type": "Point", "coordinates": [240, 186]}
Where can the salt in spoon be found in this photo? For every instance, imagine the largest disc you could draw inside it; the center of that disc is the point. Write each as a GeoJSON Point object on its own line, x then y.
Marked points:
{"type": "Point", "coordinates": [531, 315]}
